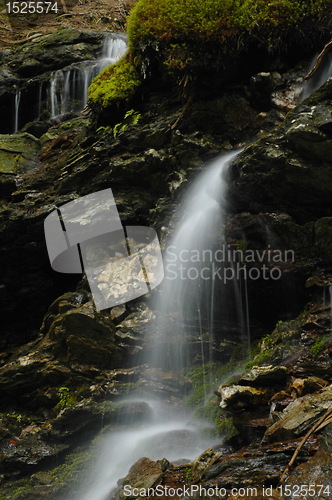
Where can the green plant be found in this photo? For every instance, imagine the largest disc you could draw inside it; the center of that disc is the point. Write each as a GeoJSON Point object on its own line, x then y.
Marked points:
{"type": "Point", "coordinates": [319, 345]}
{"type": "Point", "coordinates": [130, 118]}
{"type": "Point", "coordinates": [66, 398]}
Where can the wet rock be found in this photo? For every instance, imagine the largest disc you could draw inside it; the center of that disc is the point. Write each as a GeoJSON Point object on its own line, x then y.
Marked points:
{"type": "Point", "coordinates": [295, 158]}
{"type": "Point", "coordinates": [299, 416]}
{"type": "Point", "coordinates": [302, 386]}
{"type": "Point", "coordinates": [143, 474]}
{"type": "Point", "coordinates": [261, 376]}
{"type": "Point", "coordinates": [164, 384]}
{"type": "Point", "coordinates": [238, 397]}
{"type": "Point", "coordinates": [203, 463]}
{"type": "Point", "coordinates": [316, 471]}
{"type": "Point", "coordinates": [67, 46]}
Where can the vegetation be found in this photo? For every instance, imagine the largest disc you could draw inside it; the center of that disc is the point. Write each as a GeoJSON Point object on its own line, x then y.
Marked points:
{"type": "Point", "coordinates": [66, 397]}
{"type": "Point", "coordinates": [115, 84]}
{"type": "Point", "coordinates": [213, 20]}
{"type": "Point", "coordinates": [175, 35]}
{"type": "Point", "coordinates": [179, 28]}
{"type": "Point", "coordinates": [319, 345]}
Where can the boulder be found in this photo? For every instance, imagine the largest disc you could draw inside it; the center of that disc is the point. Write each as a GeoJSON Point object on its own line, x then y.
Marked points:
{"type": "Point", "coordinates": [239, 397]}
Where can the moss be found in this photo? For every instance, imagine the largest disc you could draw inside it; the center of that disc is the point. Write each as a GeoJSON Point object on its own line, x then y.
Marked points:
{"type": "Point", "coordinates": [226, 428]}
{"type": "Point", "coordinates": [115, 84]}
{"type": "Point", "coordinates": [213, 19]}
{"type": "Point", "coordinates": [319, 345]}
{"type": "Point", "coordinates": [179, 28]}
{"type": "Point", "coordinates": [204, 379]}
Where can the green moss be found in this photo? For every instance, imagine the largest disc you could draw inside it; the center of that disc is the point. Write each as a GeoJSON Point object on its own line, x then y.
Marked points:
{"type": "Point", "coordinates": [213, 20]}
{"type": "Point", "coordinates": [169, 19]}
{"type": "Point", "coordinates": [319, 345]}
{"type": "Point", "coordinates": [115, 84]}
{"type": "Point", "coordinates": [69, 471]}
{"type": "Point", "coordinates": [226, 428]}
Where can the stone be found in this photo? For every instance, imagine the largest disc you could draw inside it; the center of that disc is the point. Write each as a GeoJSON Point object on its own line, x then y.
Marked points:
{"type": "Point", "coordinates": [144, 474]}
{"type": "Point", "coordinates": [299, 416]}
{"type": "Point", "coordinates": [238, 397]}
{"type": "Point", "coordinates": [261, 376]}
{"type": "Point", "coordinates": [18, 152]}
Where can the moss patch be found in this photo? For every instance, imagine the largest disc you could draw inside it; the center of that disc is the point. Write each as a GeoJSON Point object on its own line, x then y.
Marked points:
{"type": "Point", "coordinates": [213, 19]}
{"type": "Point", "coordinates": [179, 27]}
{"type": "Point", "coordinates": [115, 84]}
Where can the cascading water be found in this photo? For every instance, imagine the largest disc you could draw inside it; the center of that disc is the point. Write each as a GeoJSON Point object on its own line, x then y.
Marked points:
{"type": "Point", "coordinates": [68, 88]}
{"type": "Point", "coordinates": [319, 78]}
{"type": "Point", "coordinates": [17, 110]}
{"type": "Point", "coordinates": [195, 265]}
{"type": "Point", "coordinates": [159, 437]}
{"type": "Point", "coordinates": [171, 433]}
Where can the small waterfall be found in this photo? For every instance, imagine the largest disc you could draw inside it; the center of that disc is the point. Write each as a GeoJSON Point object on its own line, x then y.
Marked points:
{"type": "Point", "coordinates": [194, 270]}
{"type": "Point", "coordinates": [158, 438]}
{"type": "Point", "coordinates": [320, 77]}
{"type": "Point", "coordinates": [17, 111]}
{"type": "Point", "coordinates": [68, 88]}
{"type": "Point", "coordinates": [169, 432]}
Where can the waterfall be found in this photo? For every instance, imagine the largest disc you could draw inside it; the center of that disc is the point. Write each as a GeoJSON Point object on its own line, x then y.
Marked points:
{"type": "Point", "coordinates": [16, 111]}
{"type": "Point", "coordinates": [320, 77]}
{"type": "Point", "coordinates": [158, 438]}
{"type": "Point", "coordinates": [196, 267]}
{"type": "Point", "coordinates": [68, 88]}
{"type": "Point", "coordinates": [169, 432]}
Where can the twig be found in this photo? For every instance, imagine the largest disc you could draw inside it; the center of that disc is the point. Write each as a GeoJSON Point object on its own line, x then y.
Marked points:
{"type": "Point", "coordinates": [319, 59]}
{"type": "Point", "coordinates": [322, 422]}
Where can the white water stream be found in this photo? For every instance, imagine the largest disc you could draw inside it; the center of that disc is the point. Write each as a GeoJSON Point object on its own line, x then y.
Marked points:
{"type": "Point", "coordinates": [68, 87]}
{"type": "Point", "coordinates": [320, 77]}
{"type": "Point", "coordinates": [170, 433]}
{"type": "Point", "coordinates": [174, 437]}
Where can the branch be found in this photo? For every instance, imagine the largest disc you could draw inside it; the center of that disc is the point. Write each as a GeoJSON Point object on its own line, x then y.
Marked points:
{"type": "Point", "coordinates": [322, 422]}
{"type": "Point", "coordinates": [319, 59]}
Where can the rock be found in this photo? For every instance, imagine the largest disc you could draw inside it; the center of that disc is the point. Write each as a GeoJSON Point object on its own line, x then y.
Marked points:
{"type": "Point", "coordinates": [316, 471]}
{"type": "Point", "coordinates": [299, 416]}
{"type": "Point", "coordinates": [303, 386]}
{"type": "Point", "coordinates": [143, 474]}
{"type": "Point", "coordinates": [261, 376]}
{"type": "Point", "coordinates": [238, 397]}
{"type": "Point", "coordinates": [67, 46]}
{"type": "Point", "coordinates": [293, 159]}
{"type": "Point", "coordinates": [18, 153]}
{"type": "Point", "coordinates": [203, 463]}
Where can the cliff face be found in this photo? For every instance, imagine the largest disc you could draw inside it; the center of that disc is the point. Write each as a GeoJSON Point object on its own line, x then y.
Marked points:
{"type": "Point", "coordinates": [65, 366]}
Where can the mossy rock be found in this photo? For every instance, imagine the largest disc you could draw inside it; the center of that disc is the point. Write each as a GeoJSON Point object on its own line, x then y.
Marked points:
{"type": "Point", "coordinates": [182, 31]}
{"type": "Point", "coordinates": [212, 41]}
{"type": "Point", "coordinates": [116, 83]}
{"type": "Point", "coordinates": [17, 152]}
